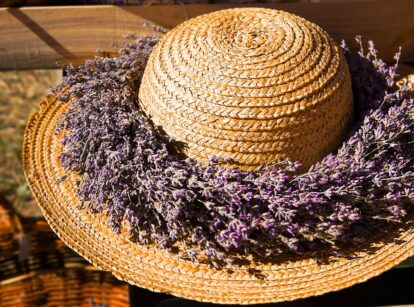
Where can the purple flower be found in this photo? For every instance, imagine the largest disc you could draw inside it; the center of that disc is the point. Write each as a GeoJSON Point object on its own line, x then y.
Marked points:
{"type": "Point", "coordinates": [127, 170]}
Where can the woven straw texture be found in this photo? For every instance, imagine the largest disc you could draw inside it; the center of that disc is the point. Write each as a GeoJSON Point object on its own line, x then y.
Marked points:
{"type": "Point", "coordinates": [159, 270]}
{"type": "Point", "coordinates": [256, 85]}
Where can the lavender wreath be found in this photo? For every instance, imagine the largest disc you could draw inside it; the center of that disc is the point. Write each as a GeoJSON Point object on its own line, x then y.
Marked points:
{"type": "Point", "coordinates": [220, 214]}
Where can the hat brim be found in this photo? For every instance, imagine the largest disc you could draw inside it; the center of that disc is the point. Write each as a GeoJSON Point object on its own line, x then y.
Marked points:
{"type": "Point", "coordinates": [159, 270]}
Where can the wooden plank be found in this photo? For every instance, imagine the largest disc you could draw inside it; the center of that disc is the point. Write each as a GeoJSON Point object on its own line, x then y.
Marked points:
{"type": "Point", "coordinates": [39, 37]}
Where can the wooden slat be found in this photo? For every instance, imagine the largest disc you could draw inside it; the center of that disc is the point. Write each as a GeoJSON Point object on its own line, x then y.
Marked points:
{"type": "Point", "coordinates": [39, 37]}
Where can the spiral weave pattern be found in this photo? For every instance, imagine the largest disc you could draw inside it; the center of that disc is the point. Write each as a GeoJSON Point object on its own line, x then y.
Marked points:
{"type": "Point", "coordinates": [256, 85]}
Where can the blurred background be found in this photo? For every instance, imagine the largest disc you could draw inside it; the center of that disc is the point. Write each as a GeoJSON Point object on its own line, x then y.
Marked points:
{"type": "Point", "coordinates": [148, 2]}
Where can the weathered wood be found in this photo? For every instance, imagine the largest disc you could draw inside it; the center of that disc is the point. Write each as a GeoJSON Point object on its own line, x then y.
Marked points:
{"type": "Point", "coordinates": [41, 36]}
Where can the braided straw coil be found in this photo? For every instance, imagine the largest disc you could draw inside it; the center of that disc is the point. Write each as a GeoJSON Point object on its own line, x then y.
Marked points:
{"type": "Point", "coordinates": [256, 85]}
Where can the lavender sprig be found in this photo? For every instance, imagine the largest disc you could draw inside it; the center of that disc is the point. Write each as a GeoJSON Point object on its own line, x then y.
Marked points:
{"type": "Point", "coordinates": [128, 172]}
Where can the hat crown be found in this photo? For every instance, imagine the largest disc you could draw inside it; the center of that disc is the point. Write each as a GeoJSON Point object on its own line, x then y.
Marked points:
{"type": "Point", "coordinates": [256, 85]}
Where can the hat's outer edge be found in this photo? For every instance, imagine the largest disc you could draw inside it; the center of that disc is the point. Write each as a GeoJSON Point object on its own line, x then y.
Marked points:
{"type": "Point", "coordinates": [160, 271]}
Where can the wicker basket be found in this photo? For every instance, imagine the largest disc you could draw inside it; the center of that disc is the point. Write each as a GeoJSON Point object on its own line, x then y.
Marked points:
{"type": "Point", "coordinates": [39, 270]}
{"type": "Point", "coordinates": [10, 229]}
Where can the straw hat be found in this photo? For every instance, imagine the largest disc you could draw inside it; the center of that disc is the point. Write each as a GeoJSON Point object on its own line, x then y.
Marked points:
{"type": "Point", "coordinates": [256, 84]}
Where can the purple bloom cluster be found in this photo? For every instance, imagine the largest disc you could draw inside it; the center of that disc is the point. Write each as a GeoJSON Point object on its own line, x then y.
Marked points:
{"type": "Point", "coordinates": [221, 214]}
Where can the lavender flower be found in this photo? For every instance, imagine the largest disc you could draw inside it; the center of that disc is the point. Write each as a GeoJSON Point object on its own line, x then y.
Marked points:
{"type": "Point", "coordinates": [222, 214]}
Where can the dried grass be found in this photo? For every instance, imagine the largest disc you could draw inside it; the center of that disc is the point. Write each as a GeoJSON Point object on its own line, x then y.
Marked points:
{"type": "Point", "coordinates": [20, 94]}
